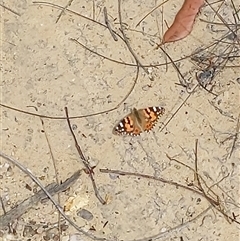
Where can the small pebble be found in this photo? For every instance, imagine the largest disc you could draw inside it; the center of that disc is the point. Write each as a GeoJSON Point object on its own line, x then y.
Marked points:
{"type": "Point", "coordinates": [85, 214]}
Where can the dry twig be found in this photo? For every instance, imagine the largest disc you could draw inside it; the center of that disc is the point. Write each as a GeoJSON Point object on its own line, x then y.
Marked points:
{"type": "Point", "coordinates": [85, 161]}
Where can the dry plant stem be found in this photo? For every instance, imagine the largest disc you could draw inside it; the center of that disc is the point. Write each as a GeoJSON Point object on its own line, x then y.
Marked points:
{"type": "Point", "coordinates": [126, 40]}
{"type": "Point", "coordinates": [105, 57]}
{"type": "Point", "coordinates": [193, 170]}
{"type": "Point", "coordinates": [35, 179]}
{"type": "Point", "coordinates": [84, 160]}
{"type": "Point", "coordinates": [114, 36]}
{"type": "Point", "coordinates": [224, 113]}
{"type": "Point", "coordinates": [215, 23]}
{"type": "Point", "coordinates": [211, 200]}
{"type": "Point", "coordinates": [56, 172]}
{"type": "Point", "coordinates": [30, 202]}
{"type": "Point", "coordinates": [235, 136]}
{"type": "Point", "coordinates": [94, 9]}
{"type": "Point", "coordinates": [189, 95]}
{"type": "Point", "coordinates": [63, 10]}
{"type": "Point", "coordinates": [68, 10]}
{"type": "Point", "coordinates": [151, 12]}
{"type": "Point", "coordinates": [3, 207]}
{"type": "Point", "coordinates": [9, 9]}
{"type": "Point", "coordinates": [173, 63]}
{"type": "Point", "coordinates": [123, 173]}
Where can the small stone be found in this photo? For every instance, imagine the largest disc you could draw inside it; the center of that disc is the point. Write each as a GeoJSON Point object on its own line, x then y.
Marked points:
{"type": "Point", "coordinates": [85, 214]}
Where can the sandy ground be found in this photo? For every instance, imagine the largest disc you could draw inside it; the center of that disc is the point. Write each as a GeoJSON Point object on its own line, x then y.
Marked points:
{"type": "Point", "coordinates": [43, 71]}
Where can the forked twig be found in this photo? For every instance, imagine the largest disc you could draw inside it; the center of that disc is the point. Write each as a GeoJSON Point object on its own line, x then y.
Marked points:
{"type": "Point", "coordinates": [84, 160]}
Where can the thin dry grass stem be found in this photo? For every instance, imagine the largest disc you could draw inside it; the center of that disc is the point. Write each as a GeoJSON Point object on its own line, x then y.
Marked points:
{"type": "Point", "coordinates": [178, 109]}
{"type": "Point", "coordinates": [68, 10]}
{"type": "Point", "coordinates": [55, 170]}
{"type": "Point", "coordinates": [217, 23]}
{"type": "Point", "coordinates": [94, 9]}
{"type": "Point", "coordinates": [219, 61]}
{"type": "Point", "coordinates": [85, 161]}
{"type": "Point", "coordinates": [138, 63]}
{"type": "Point", "coordinates": [155, 8]}
{"type": "Point", "coordinates": [9, 9]}
{"type": "Point", "coordinates": [114, 36]}
{"type": "Point", "coordinates": [64, 9]}
{"type": "Point", "coordinates": [228, 26]}
{"type": "Point", "coordinates": [125, 173]}
{"type": "Point", "coordinates": [54, 166]}
{"type": "Point", "coordinates": [236, 135]}
{"type": "Point", "coordinates": [196, 174]}
{"type": "Point", "coordinates": [175, 66]}
{"type": "Point", "coordinates": [222, 112]}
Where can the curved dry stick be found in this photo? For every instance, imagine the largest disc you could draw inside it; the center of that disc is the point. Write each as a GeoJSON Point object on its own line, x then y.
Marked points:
{"type": "Point", "coordinates": [151, 12]}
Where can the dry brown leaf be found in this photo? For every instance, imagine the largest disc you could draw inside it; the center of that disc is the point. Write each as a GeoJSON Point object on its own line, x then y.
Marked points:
{"type": "Point", "coordinates": [183, 22]}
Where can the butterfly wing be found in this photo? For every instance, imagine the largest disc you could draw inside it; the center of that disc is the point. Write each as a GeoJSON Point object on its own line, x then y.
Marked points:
{"type": "Point", "coordinates": [128, 125]}
{"type": "Point", "coordinates": [150, 116]}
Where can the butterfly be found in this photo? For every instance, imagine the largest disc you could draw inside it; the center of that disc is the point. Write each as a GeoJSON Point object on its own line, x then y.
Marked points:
{"type": "Point", "coordinates": [138, 121]}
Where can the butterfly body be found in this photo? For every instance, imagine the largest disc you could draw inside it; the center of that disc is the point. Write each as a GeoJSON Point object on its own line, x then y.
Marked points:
{"type": "Point", "coordinates": [138, 121]}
